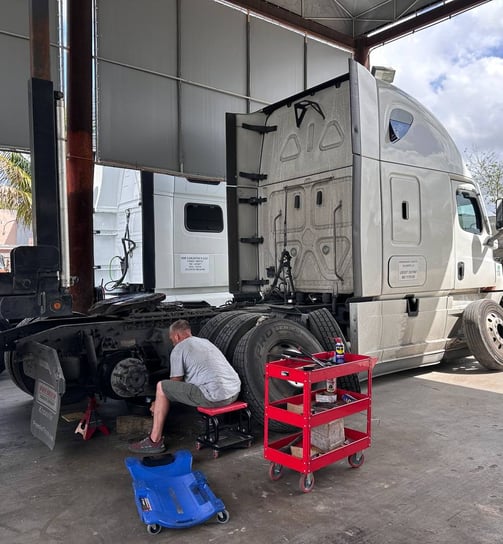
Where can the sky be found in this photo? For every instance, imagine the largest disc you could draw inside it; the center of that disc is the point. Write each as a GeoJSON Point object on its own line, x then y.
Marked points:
{"type": "Point", "coordinates": [455, 68]}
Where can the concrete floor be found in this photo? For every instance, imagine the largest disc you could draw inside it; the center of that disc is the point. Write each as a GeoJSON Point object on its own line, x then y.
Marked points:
{"type": "Point", "coordinates": [433, 475]}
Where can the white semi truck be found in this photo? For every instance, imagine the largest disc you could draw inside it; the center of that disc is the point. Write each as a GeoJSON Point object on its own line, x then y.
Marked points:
{"type": "Point", "coordinates": [349, 213]}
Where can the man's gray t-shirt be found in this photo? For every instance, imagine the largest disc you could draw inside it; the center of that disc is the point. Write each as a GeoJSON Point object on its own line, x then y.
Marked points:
{"type": "Point", "coordinates": [204, 365]}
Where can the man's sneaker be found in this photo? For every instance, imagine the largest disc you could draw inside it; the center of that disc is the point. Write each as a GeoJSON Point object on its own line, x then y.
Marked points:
{"type": "Point", "coordinates": [147, 446]}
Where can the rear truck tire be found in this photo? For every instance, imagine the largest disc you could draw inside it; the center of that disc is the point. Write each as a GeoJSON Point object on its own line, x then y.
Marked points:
{"type": "Point", "coordinates": [212, 327]}
{"type": "Point", "coordinates": [262, 344]}
{"type": "Point", "coordinates": [73, 394]}
{"type": "Point", "coordinates": [15, 369]}
{"type": "Point", "coordinates": [229, 335]}
{"type": "Point", "coordinates": [3, 327]}
{"type": "Point", "coordinates": [17, 375]}
{"type": "Point", "coordinates": [325, 328]}
{"type": "Point", "coordinates": [25, 383]}
{"type": "Point", "coordinates": [483, 325]}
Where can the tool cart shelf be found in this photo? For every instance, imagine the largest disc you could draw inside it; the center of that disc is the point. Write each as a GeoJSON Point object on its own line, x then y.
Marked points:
{"type": "Point", "coordinates": [306, 417]}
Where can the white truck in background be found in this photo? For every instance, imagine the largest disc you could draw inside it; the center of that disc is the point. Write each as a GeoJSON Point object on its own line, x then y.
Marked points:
{"type": "Point", "coordinates": [349, 213]}
{"type": "Point", "coordinates": [189, 236]}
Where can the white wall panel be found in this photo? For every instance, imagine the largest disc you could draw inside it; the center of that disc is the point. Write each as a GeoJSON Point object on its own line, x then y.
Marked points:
{"type": "Point", "coordinates": [15, 16]}
{"type": "Point", "coordinates": [141, 34]}
{"type": "Point", "coordinates": [14, 128]}
{"type": "Point", "coordinates": [324, 62]}
{"type": "Point", "coordinates": [276, 61]}
{"type": "Point", "coordinates": [213, 45]}
{"type": "Point", "coordinates": [203, 129]}
{"type": "Point", "coordinates": [137, 118]}
{"type": "Point", "coordinates": [142, 76]}
{"type": "Point", "coordinates": [152, 95]}
{"type": "Point", "coordinates": [15, 69]}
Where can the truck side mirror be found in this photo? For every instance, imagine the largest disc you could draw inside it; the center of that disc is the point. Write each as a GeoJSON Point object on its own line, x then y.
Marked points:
{"type": "Point", "coordinates": [499, 214]}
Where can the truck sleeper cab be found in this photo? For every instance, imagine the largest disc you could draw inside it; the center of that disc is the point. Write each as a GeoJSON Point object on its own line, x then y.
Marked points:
{"type": "Point", "coordinates": [367, 195]}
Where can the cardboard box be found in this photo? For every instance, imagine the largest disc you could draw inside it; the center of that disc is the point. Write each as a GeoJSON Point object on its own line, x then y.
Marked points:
{"type": "Point", "coordinates": [297, 408]}
{"type": "Point", "coordinates": [329, 436]}
{"type": "Point", "coordinates": [329, 398]}
{"type": "Point", "coordinates": [296, 451]}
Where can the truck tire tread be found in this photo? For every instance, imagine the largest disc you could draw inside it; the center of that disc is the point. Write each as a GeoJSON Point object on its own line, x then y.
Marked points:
{"type": "Point", "coordinates": [325, 328]}
{"type": "Point", "coordinates": [483, 326]}
{"type": "Point", "coordinates": [260, 345]}
{"type": "Point", "coordinates": [230, 334]}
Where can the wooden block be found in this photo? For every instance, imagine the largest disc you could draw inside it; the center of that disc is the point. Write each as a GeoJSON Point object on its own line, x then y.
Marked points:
{"type": "Point", "coordinates": [133, 424]}
{"type": "Point", "coordinates": [73, 416]}
{"type": "Point", "coordinates": [297, 408]}
{"type": "Point", "coordinates": [297, 451]}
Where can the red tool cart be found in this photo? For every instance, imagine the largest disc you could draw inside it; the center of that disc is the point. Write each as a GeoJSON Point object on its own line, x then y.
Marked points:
{"type": "Point", "coordinates": [302, 411]}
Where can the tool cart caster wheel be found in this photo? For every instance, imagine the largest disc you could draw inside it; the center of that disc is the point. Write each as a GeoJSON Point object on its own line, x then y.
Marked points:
{"type": "Point", "coordinates": [223, 516]}
{"type": "Point", "coordinates": [153, 529]}
{"type": "Point", "coordinates": [306, 482]}
{"type": "Point", "coordinates": [275, 471]}
{"type": "Point", "coordinates": [199, 446]}
{"type": "Point", "coordinates": [356, 460]}
{"type": "Point", "coordinates": [216, 454]}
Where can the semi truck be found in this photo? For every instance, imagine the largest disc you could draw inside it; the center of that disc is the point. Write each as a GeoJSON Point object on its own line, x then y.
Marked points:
{"type": "Point", "coordinates": [350, 214]}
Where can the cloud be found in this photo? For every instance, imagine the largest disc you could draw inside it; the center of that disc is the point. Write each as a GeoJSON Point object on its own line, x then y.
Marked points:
{"type": "Point", "coordinates": [455, 69]}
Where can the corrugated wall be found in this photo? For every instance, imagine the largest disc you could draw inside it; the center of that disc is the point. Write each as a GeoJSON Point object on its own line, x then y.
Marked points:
{"type": "Point", "coordinates": [15, 69]}
{"type": "Point", "coordinates": [167, 72]}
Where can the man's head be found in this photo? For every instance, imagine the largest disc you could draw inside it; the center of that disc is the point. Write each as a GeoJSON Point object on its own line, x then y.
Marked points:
{"type": "Point", "coordinates": [178, 331]}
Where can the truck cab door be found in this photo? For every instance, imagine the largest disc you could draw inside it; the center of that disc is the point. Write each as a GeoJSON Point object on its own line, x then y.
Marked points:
{"type": "Point", "coordinates": [475, 266]}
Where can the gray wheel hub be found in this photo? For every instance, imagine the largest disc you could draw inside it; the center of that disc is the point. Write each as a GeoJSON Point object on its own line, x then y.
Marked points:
{"type": "Point", "coordinates": [129, 377]}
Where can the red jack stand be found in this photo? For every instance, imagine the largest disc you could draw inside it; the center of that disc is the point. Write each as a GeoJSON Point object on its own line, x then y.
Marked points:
{"type": "Point", "coordinates": [91, 421]}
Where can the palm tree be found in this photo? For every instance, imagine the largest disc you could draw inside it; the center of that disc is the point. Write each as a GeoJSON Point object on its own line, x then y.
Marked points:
{"type": "Point", "coordinates": [15, 186]}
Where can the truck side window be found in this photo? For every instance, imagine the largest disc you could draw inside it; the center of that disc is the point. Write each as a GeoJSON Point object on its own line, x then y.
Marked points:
{"type": "Point", "coordinates": [204, 218]}
{"type": "Point", "coordinates": [469, 215]}
{"type": "Point", "coordinates": [399, 123]}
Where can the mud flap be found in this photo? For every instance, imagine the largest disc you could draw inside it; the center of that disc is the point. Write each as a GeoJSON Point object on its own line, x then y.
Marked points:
{"type": "Point", "coordinates": [42, 364]}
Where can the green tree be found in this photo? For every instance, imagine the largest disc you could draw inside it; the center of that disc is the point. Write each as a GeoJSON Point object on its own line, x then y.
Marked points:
{"type": "Point", "coordinates": [15, 186]}
{"type": "Point", "coordinates": [487, 170]}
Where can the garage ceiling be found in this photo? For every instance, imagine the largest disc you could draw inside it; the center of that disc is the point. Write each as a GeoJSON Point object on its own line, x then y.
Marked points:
{"type": "Point", "coordinates": [358, 24]}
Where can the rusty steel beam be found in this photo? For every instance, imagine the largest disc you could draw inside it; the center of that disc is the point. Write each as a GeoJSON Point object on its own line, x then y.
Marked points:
{"type": "Point", "coordinates": [40, 59]}
{"type": "Point", "coordinates": [80, 165]}
{"type": "Point", "coordinates": [291, 19]}
{"type": "Point", "coordinates": [360, 45]}
{"type": "Point", "coordinates": [362, 53]}
{"type": "Point", "coordinates": [422, 20]}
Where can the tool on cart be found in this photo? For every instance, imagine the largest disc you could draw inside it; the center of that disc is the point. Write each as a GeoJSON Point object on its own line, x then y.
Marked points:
{"type": "Point", "coordinates": [168, 493]}
{"type": "Point", "coordinates": [300, 353]}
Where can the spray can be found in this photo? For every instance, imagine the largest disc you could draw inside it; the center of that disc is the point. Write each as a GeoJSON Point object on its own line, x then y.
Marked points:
{"type": "Point", "coordinates": [332, 382]}
{"type": "Point", "coordinates": [339, 351]}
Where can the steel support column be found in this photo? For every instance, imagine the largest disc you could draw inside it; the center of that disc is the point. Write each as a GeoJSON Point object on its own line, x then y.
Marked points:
{"type": "Point", "coordinates": [80, 166]}
{"type": "Point", "coordinates": [362, 52]}
{"type": "Point", "coordinates": [42, 130]}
